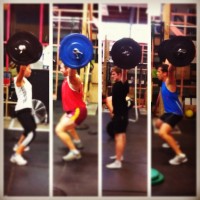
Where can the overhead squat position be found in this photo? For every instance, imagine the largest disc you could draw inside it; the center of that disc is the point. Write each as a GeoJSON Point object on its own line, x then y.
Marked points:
{"type": "Point", "coordinates": [75, 112]}
{"type": "Point", "coordinates": [173, 111]}
{"type": "Point", "coordinates": [23, 110]}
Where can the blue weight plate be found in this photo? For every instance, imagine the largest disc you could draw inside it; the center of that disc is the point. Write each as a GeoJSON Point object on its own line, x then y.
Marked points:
{"type": "Point", "coordinates": [84, 46]}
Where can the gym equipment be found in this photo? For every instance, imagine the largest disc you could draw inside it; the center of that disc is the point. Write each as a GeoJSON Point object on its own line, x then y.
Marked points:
{"type": "Point", "coordinates": [23, 48]}
{"type": "Point", "coordinates": [6, 78]}
{"type": "Point", "coordinates": [135, 102]}
{"type": "Point", "coordinates": [110, 129]}
{"type": "Point", "coordinates": [129, 102]}
{"type": "Point", "coordinates": [189, 113]}
{"type": "Point", "coordinates": [76, 50]}
{"type": "Point", "coordinates": [156, 177]}
{"type": "Point", "coordinates": [162, 52]}
{"type": "Point", "coordinates": [59, 192]}
{"type": "Point", "coordinates": [180, 51]}
{"type": "Point", "coordinates": [39, 111]}
{"type": "Point", "coordinates": [126, 53]}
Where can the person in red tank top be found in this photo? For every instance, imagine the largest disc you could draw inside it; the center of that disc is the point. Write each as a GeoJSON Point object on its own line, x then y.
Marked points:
{"type": "Point", "coordinates": [75, 112]}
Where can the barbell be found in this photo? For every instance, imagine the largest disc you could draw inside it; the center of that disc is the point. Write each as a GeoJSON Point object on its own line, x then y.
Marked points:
{"type": "Point", "coordinates": [24, 48]}
{"type": "Point", "coordinates": [126, 53]}
{"type": "Point", "coordinates": [179, 51]}
{"type": "Point", "coordinates": [76, 50]}
{"type": "Point", "coordinates": [162, 52]}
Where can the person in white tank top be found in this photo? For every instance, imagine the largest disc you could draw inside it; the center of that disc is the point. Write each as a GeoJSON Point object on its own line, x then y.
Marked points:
{"type": "Point", "coordinates": [24, 115]}
{"type": "Point", "coordinates": [24, 94]}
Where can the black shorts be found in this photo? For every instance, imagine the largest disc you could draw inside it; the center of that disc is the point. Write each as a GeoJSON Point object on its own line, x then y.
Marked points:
{"type": "Point", "coordinates": [26, 119]}
{"type": "Point", "coordinates": [120, 124]}
{"type": "Point", "coordinates": [171, 119]}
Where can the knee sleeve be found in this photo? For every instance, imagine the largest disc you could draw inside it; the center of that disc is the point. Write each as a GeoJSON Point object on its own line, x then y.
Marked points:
{"type": "Point", "coordinates": [29, 138]}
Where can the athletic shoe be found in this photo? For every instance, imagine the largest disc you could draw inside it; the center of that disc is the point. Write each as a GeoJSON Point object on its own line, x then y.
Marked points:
{"type": "Point", "coordinates": [115, 165]}
{"type": "Point", "coordinates": [178, 159]}
{"type": "Point", "coordinates": [16, 147]}
{"type": "Point", "coordinates": [114, 157]}
{"type": "Point", "coordinates": [18, 159]}
{"type": "Point", "coordinates": [72, 156]}
{"type": "Point", "coordinates": [79, 145]}
{"type": "Point", "coordinates": [166, 145]}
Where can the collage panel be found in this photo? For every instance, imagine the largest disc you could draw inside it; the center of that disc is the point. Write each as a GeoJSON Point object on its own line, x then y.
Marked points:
{"type": "Point", "coordinates": [174, 101]}
{"type": "Point", "coordinates": [26, 100]}
{"type": "Point", "coordinates": [75, 105]}
{"type": "Point", "coordinates": [124, 93]}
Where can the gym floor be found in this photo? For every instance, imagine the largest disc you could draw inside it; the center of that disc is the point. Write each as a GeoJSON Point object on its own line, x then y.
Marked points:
{"type": "Point", "coordinates": [80, 177]}
{"type": "Point", "coordinates": [178, 180]}
{"type": "Point", "coordinates": [32, 179]}
{"type": "Point", "coordinates": [131, 179]}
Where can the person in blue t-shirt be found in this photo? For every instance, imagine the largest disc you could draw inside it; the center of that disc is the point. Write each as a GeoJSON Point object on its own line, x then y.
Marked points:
{"type": "Point", "coordinates": [173, 111]}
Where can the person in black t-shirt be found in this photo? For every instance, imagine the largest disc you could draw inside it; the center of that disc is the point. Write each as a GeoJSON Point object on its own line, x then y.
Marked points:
{"type": "Point", "coordinates": [119, 113]}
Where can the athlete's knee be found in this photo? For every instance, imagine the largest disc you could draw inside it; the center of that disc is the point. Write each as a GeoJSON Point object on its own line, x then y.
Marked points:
{"type": "Point", "coordinates": [57, 129]}
{"type": "Point", "coordinates": [29, 138]}
{"type": "Point", "coordinates": [158, 123]}
{"type": "Point", "coordinates": [161, 133]}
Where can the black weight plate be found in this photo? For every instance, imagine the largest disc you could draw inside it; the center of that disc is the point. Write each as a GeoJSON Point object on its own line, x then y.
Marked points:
{"type": "Point", "coordinates": [126, 53]}
{"type": "Point", "coordinates": [24, 48]}
{"type": "Point", "coordinates": [162, 50]}
{"type": "Point", "coordinates": [180, 51]}
{"type": "Point", "coordinates": [110, 129]}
